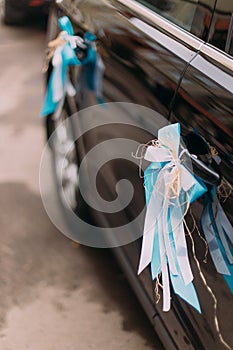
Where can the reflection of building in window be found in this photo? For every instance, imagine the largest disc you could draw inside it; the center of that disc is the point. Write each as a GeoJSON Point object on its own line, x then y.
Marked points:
{"type": "Point", "coordinates": [197, 17]}
{"type": "Point", "coordinates": [213, 28]}
{"type": "Point", "coordinates": [218, 36]}
{"type": "Point", "coordinates": [220, 24]}
{"type": "Point", "coordinates": [180, 12]}
{"type": "Point", "coordinates": [162, 5]}
{"type": "Point", "coordinates": [202, 19]}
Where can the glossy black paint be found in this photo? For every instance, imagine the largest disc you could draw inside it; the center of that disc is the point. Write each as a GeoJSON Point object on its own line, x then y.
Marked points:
{"type": "Point", "coordinates": [182, 80]}
{"type": "Point", "coordinates": [25, 4]}
{"type": "Point", "coordinates": [204, 103]}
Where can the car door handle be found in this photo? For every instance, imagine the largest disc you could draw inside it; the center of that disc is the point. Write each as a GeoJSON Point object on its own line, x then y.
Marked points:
{"type": "Point", "coordinates": [204, 165]}
{"type": "Point", "coordinates": [204, 172]}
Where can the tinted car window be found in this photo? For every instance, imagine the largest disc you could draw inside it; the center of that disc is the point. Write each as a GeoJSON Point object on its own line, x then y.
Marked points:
{"type": "Point", "coordinates": [220, 24]}
{"type": "Point", "coordinates": [200, 17]}
{"type": "Point", "coordinates": [180, 12]}
{"type": "Point", "coordinates": [230, 51]}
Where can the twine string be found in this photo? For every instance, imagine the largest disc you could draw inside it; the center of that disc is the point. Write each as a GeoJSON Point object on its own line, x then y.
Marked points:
{"type": "Point", "coordinates": [216, 321]}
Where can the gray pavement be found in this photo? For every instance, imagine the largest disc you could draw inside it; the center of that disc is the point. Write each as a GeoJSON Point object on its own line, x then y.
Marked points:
{"type": "Point", "coordinates": [54, 294]}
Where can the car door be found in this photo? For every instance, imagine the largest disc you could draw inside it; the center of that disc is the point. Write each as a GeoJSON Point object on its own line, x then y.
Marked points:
{"type": "Point", "coordinates": [147, 48]}
{"type": "Point", "coordinates": [144, 55]}
{"type": "Point", "coordinates": [204, 104]}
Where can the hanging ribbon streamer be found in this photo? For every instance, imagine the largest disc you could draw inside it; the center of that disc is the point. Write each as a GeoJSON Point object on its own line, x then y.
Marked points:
{"type": "Point", "coordinates": [216, 227]}
{"type": "Point", "coordinates": [92, 71]}
{"type": "Point", "coordinates": [64, 56]}
{"type": "Point", "coordinates": [219, 235]}
{"type": "Point", "coordinates": [169, 188]}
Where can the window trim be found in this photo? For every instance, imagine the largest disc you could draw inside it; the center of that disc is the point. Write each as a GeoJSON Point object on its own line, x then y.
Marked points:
{"type": "Point", "coordinates": [218, 55]}
{"type": "Point", "coordinates": [164, 23]}
{"type": "Point", "coordinates": [198, 44]}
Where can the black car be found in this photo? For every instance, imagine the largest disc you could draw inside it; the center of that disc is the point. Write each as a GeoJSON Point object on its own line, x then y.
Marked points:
{"type": "Point", "coordinates": [15, 12]}
{"type": "Point", "coordinates": [173, 57]}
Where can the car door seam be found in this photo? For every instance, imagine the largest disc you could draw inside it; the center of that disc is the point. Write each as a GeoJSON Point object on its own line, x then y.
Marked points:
{"type": "Point", "coordinates": [180, 81]}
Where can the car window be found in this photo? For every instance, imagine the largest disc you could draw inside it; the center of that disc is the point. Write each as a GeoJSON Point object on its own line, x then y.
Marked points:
{"type": "Point", "coordinates": [180, 12]}
{"type": "Point", "coordinates": [220, 34]}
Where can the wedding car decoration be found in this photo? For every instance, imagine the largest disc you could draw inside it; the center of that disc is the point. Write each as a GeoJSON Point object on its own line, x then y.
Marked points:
{"type": "Point", "coordinates": [62, 52]}
{"type": "Point", "coordinates": [170, 188]}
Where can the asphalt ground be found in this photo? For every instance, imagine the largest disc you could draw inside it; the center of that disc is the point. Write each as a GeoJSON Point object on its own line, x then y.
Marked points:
{"type": "Point", "coordinates": [54, 294]}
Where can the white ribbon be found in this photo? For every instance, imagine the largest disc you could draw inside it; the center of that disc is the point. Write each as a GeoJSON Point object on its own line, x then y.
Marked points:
{"type": "Point", "coordinates": [60, 88]}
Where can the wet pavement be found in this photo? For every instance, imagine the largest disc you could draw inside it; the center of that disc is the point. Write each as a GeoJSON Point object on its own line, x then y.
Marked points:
{"type": "Point", "coordinates": [54, 294]}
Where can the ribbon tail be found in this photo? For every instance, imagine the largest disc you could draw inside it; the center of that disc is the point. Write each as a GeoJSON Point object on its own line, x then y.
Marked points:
{"type": "Point", "coordinates": [154, 203]}
{"type": "Point", "coordinates": [56, 88]}
{"type": "Point", "coordinates": [222, 236]}
{"type": "Point", "coordinates": [166, 287]}
{"type": "Point", "coordinates": [146, 251]}
{"type": "Point", "coordinates": [69, 88]}
{"type": "Point", "coordinates": [156, 260]}
{"type": "Point", "coordinates": [208, 226]}
{"type": "Point", "coordinates": [58, 110]}
{"type": "Point", "coordinates": [226, 225]}
{"type": "Point", "coordinates": [186, 292]}
{"type": "Point", "coordinates": [182, 282]}
{"type": "Point", "coordinates": [180, 245]}
{"type": "Point", "coordinates": [182, 254]}
{"type": "Point", "coordinates": [229, 279]}
{"type": "Point", "coordinates": [49, 105]}
{"type": "Point", "coordinates": [99, 72]}
{"type": "Point", "coordinates": [167, 241]}
{"type": "Point", "coordinates": [164, 269]}
{"type": "Point", "coordinates": [148, 234]}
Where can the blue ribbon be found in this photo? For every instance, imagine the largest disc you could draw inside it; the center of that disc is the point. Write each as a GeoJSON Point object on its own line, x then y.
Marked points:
{"type": "Point", "coordinates": [91, 75]}
{"type": "Point", "coordinates": [219, 236]}
{"type": "Point", "coordinates": [68, 58]}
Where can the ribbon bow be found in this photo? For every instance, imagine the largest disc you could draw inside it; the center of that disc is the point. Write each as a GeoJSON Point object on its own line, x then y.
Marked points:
{"type": "Point", "coordinates": [170, 188]}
